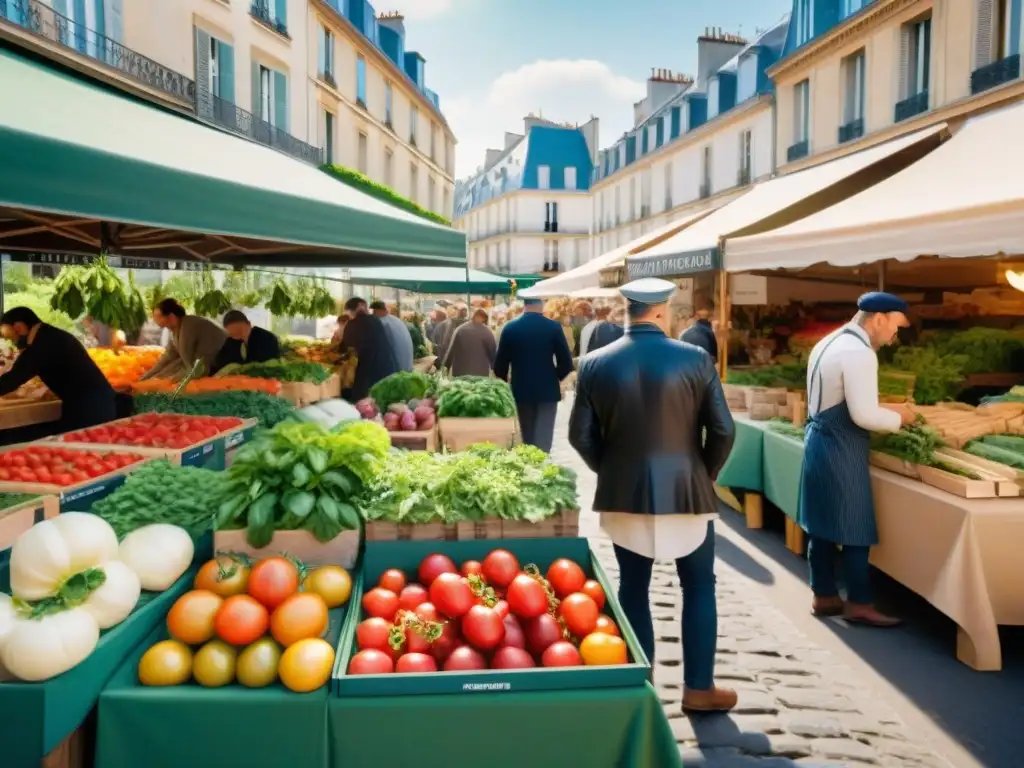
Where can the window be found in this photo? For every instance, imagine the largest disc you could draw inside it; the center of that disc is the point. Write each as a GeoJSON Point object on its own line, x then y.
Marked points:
{"type": "Point", "coordinates": [414, 183]}
{"type": "Point", "coordinates": [570, 177]}
{"type": "Point", "coordinates": [431, 194]}
{"type": "Point", "coordinates": [414, 119]}
{"type": "Point", "coordinates": [804, 21]}
{"type": "Point", "coordinates": [632, 198]}
{"type": "Point", "coordinates": [850, 7]}
{"type": "Point", "coordinates": [508, 255]}
{"type": "Point", "coordinates": [325, 54]}
{"type": "Point", "coordinates": [550, 256]}
{"type": "Point", "coordinates": [801, 111]}
{"type": "Point", "coordinates": [1009, 22]}
{"type": "Point", "coordinates": [215, 72]}
{"type": "Point", "coordinates": [550, 217]}
{"type": "Point", "coordinates": [745, 158]}
{"type": "Point", "coordinates": [668, 186]}
{"type": "Point", "coordinates": [433, 142]}
{"type": "Point", "coordinates": [705, 185]}
{"type": "Point", "coordinates": [544, 177]}
{"type": "Point", "coordinates": [361, 80]}
{"type": "Point", "coordinates": [329, 136]}
{"type": "Point", "coordinates": [389, 168]}
{"type": "Point", "coordinates": [618, 207]}
{"type": "Point", "coordinates": [853, 87]}
{"type": "Point", "coordinates": [388, 96]}
{"type": "Point", "coordinates": [361, 160]}
{"type": "Point", "coordinates": [916, 50]}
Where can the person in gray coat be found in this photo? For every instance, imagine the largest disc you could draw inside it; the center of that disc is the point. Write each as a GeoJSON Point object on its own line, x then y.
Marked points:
{"type": "Point", "coordinates": [398, 335]}
{"type": "Point", "coordinates": [472, 348]}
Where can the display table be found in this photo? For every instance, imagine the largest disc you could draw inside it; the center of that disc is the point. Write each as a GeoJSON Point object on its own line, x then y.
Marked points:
{"type": "Point", "coordinates": [743, 470]}
{"type": "Point", "coordinates": [783, 459]}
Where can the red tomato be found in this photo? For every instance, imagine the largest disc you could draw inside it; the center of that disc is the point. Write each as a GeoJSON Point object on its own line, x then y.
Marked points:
{"type": "Point", "coordinates": [433, 566]}
{"type": "Point", "coordinates": [472, 568]}
{"type": "Point", "coordinates": [541, 633]}
{"type": "Point", "coordinates": [78, 476]}
{"type": "Point", "coordinates": [392, 580]}
{"type": "Point", "coordinates": [561, 654]}
{"type": "Point", "coordinates": [415, 642]}
{"type": "Point", "coordinates": [500, 568]}
{"type": "Point", "coordinates": [17, 460]}
{"type": "Point", "coordinates": [273, 580]}
{"type": "Point", "coordinates": [412, 597]}
{"type": "Point", "coordinates": [465, 659]}
{"type": "Point", "coordinates": [241, 620]}
{"type": "Point", "coordinates": [566, 577]}
{"type": "Point", "coordinates": [416, 662]}
{"type": "Point", "coordinates": [526, 597]}
{"type": "Point", "coordinates": [382, 603]}
{"type": "Point", "coordinates": [427, 612]}
{"type": "Point", "coordinates": [483, 628]}
{"type": "Point", "coordinates": [451, 595]}
{"type": "Point", "coordinates": [449, 640]}
{"type": "Point", "coordinates": [63, 479]}
{"type": "Point", "coordinates": [5, 474]}
{"type": "Point", "coordinates": [606, 625]}
{"type": "Point", "coordinates": [374, 633]}
{"type": "Point", "coordinates": [502, 608]}
{"type": "Point", "coordinates": [511, 658]}
{"type": "Point", "coordinates": [514, 635]}
{"type": "Point", "coordinates": [371, 662]}
{"type": "Point", "coordinates": [595, 592]}
{"type": "Point", "coordinates": [579, 612]}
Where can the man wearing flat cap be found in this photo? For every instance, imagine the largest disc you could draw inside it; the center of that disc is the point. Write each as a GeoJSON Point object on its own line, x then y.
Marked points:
{"type": "Point", "coordinates": [836, 506]}
{"type": "Point", "coordinates": [650, 418]}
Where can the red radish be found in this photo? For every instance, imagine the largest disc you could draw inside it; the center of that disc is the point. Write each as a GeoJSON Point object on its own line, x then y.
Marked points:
{"type": "Point", "coordinates": [561, 654]}
{"type": "Point", "coordinates": [465, 659]}
{"type": "Point", "coordinates": [500, 567]}
{"type": "Point", "coordinates": [541, 633]}
{"type": "Point", "coordinates": [433, 566]}
{"type": "Point", "coordinates": [483, 628]}
{"type": "Point", "coordinates": [371, 662]}
{"type": "Point", "coordinates": [514, 635]}
{"type": "Point", "coordinates": [412, 597]}
{"type": "Point", "coordinates": [416, 662]}
{"type": "Point", "coordinates": [526, 597]}
{"type": "Point", "coordinates": [509, 657]}
{"type": "Point", "coordinates": [452, 596]}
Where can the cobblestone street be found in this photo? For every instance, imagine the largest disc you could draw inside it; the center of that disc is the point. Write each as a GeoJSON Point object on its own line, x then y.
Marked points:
{"type": "Point", "coordinates": [798, 705]}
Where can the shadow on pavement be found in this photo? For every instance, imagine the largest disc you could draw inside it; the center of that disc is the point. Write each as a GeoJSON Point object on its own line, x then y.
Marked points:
{"type": "Point", "coordinates": [983, 711]}
{"type": "Point", "coordinates": [728, 552]}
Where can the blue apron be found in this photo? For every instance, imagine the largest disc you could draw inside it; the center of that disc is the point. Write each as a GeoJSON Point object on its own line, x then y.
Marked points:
{"type": "Point", "coordinates": [836, 503]}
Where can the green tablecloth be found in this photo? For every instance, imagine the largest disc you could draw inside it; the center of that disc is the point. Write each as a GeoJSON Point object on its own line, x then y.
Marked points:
{"type": "Point", "coordinates": [783, 458]}
{"type": "Point", "coordinates": [596, 728]}
{"type": "Point", "coordinates": [743, 467]}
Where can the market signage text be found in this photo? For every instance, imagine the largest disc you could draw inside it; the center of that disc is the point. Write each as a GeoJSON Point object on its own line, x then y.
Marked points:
{"type": "Point", "coordinates": [673, 265]}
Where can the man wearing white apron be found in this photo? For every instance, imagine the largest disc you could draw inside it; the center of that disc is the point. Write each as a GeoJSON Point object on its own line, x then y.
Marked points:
{"type": "Point", "coordinates": [836, 506]}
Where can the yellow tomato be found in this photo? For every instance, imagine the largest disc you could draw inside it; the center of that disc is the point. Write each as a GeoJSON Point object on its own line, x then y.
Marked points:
{"type": "Point", "coordinates": [167, 663]}
{"type": "Point", "coordinates": [257, 664]}
{"type": "Point", "coordinates": [224, 576]}
{"type": "Point", "coordinates": [307, 665]}
{"type": "Point", "coordinates": [332, 582]}
{"type": "Point", "coordinates": [601, 650]}
{"type": "Point", "coordinates": [214, 664]}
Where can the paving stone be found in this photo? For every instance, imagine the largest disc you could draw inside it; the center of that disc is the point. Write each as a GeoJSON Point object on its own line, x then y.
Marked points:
{"type": "Point", "coordinates": [845, 749]}
{"type": "Point", "coordinates": [801, 698]}
{"type": "Point", "coordinates": [777, 745]}
{"type": "Point", "coordinates": [730, 672]}
{"type": "Point", "coordinates": [764, 647]}
{"type": "Point", "coordinates": [814, 724]}
{"type": "Point", "coordinates": [682, 729]}
{"type": "Point", "coordinates": [901, 750]}
{"type": "Point", "coordinates": [755, 703]}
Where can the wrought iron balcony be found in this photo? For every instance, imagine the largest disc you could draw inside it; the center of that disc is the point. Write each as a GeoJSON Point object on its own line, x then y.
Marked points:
{"type": "Point", "coordinates": [235, 119]}
{"type": "Point", "coordinates": [799, 150]}
{"type": "Point", "coordinates": [550, 265]}
{"type": "Point", "coordinates": [911, 106]}
{"type": "Point", "coordinates": [996, 73]}
{"type": "Point", "coordinates": [41, 20]}
{"type": "Point", "coordinates": [328, 77]}
{"type": "Point", "coordinates": [852, 130]}
{"type": "Point", "coordinates": [260, 10]}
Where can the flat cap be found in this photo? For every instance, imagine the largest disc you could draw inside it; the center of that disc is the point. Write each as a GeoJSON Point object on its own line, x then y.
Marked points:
{"type": "Point", "coordinates": [878, 301]}
{"type": "Point", "coordinates": [648, 290]}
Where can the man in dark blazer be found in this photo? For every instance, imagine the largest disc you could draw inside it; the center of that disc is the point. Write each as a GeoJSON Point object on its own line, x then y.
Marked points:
{"type": "Point", "coordinates": [701, 333]}
{"type": "Point", "coordinates": [536, 350]}
{"type": "Point", "coordinates": [650, 418]}
{"type": "Point", "coordinates": [366, 337]}
{"type": "Point", "coordinates": [246, 343]}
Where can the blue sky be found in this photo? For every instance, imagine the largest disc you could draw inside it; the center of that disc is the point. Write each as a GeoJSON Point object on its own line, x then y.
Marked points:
{"type": "Point", "coordinates": [493, 61]}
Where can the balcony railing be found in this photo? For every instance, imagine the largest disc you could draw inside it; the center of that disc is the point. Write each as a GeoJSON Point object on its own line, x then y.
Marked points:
{"type": "Point", "coordinates": [911, 106]}
{"type": "Point", "coordinates": [260, 10]}
{"type": "Point", "coordinates": [743, 177]}
{"type": "Point", "coordinates": [705, 190]}
{"type": "Point", "coordinates": [550, 265]}
{"type": "Point", "coordinates": [852, 130]}
{"type": "Point", "coordinates": [42, 21]}
{"type": "Point", "coordinates": [799, 150]}
{"type": "Point", "coordinates": [550, 226]}
{"type": "Point", "coordinates": [328, 77]}
{"type": "Point", "coordinates": [996, 73]}
{"type": "Point", "coordinates": [237, 120]}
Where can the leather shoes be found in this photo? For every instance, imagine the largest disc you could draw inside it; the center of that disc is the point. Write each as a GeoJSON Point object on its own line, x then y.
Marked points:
{"type": "Point", "coordinates": [869, 616]}
{"type": "Point", "coordinates": [827, 606]}
{"type": "Point", "coordinates": [714, 700]}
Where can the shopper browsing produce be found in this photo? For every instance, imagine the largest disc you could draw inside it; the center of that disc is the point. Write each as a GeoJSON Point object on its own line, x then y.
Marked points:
{"type": "Point", "coordinates": [63, 365]}
{"type": "Point", "coordinates": [366, 337]}
{"type": "Point", "coordinates": [701, 333]}
{"type": "Point", "coordinates": [192, 338]}
{"type": "Point", "coordinates": [245, 343]}
{"type": "Point", "coordinates": [472, 349]}
{"type": "Point", "coordinates": [398, 335]}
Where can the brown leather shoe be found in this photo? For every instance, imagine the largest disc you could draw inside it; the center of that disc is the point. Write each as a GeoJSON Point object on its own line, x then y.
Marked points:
{"type": "Point", "coordinates": [714, 700]}
{"type": "Point", "coordinates": [827, 606]}
{"type": "Point", "coordinates": [869, 616]}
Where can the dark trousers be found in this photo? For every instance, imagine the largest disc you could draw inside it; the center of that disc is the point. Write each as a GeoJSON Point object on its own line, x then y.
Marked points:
{"type": "Point", "coordinates": [823, 556]}
{"type": "Point", "coordinates": [700, 612]}
{"type": "Point", "coordinates": [537, 424]}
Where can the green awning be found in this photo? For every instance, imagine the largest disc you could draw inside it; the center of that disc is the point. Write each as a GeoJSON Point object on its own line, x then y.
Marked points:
{"type": "Point", "coordinates": [435, 280]}
{"type": "Point", "coordinates": [84, 167]}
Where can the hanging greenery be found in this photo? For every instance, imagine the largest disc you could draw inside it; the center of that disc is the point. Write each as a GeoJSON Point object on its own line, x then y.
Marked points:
{"type": "Point", "coordinates": [280, 303]}
{"type": "Point", "coordinates": [311, 299]}
{"type": "Point", "coordinates": [97, 290]}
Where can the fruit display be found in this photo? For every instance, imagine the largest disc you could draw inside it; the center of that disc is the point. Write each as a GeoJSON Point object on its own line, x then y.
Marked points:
{"type": "Point", "coordinates": [153, 430]}
{"type": "Point", "coordinates": [70, 580]}
{"type": "Point", "coordinates": [412, 416]}
{"type": "Point", "coordinates": [495, 613]}
{"type": "Point", "coordinates": [210, 384]}
{"type": "Point", "coordinates": [53, 464]}
{"type": "Point", "coordinates": [253, 624]}
{"type": "Point", "coordinates": [124, 367]}
{"type": "Point", "coordinates": [267, 410]}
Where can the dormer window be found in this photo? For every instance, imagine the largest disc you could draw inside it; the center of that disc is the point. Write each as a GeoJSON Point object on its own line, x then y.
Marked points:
{"type": "Point", "coordinates": [804, 21]}
{"type": "Point", "coordinates": [713, 96]}
{"type": "Point", "coordinates": [544, 177]}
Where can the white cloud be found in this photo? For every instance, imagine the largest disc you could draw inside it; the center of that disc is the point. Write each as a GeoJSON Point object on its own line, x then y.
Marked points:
{"type": "Point", "coordinates": [560, 90]}
{"type": "Point", "coordinates": [417, 10]}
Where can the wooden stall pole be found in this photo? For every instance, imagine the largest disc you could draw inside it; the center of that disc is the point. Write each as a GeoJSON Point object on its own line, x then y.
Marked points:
{"type": "Point", "coordinates": [723, 323]}
{"type": "Point", "coordinates": [753, 510]}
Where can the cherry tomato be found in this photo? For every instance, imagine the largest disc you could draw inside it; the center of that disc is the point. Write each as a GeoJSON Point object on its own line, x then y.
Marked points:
{"type": "Point", "coordinates": [273, 580]}
{"type": "Point", "coordinates": [579, 612]}
{"type": "Point", "coordinates": [599, 649]}
{"type": "Point", "coordinates": [371, 662]}
{"type": "Point", "coordinates": [526, 597]}
{"type": "Point", "coordinates": [607, 625]}
{"type": "Point", "coordinates": [241, 620]}
{"type": "Point", "coordinates": [416, 662]}
{"type": "Point", "coordinates": [595, 591]}
{"type": "Point", "coordinates": [561, 654]}
{"type": "Point", "coordinates": [472, 568]}
{"type": "Point", "coordinates": [514, 635]}
{"type": "Point", "coordinates": [412, 597]}
{"type": "Point", "coordinates": [510, 657]}
{"type": "Point", "coordinates": [374, 633]}
{"type": "Point", "coordinates": [452, 596]}
{"type": "Point", "coordinates": [465, 659]}
{"type": "Point", "coordinates": [392, 580]}
{"type": "Point", "coordinates": [500, 568]}
{"type": "Point", "coordinates": [483, 628]}
{"type": "Point", "coordinates": [541, 633]}
{"type": "Point", "coordinates": [433, 566]}
{"type": "Point", "coordinates": [380, 602]}
{"type": "Point", "coordinates": [566, 577]}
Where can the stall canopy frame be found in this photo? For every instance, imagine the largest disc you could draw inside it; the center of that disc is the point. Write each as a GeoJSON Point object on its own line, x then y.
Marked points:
{"type": "Point", "coordinates": [437, 280]}
{"type": "Point", "coordinates": [86, 169]}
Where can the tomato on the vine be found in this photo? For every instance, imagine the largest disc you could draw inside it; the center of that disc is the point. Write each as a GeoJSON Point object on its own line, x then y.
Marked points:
{"type": "Point", "coordinates": [483, 628]}
{"type": "Point", "coordinates": [526, 597]}
{"type": "Point", "coordinates": [412, 597]}
{"type": "Point", "coordinates": [566, 577]}
{"type": "Point", "coordinates": [273, 580]}
{"type": "Point", "coordinates": [579, 612]}
{"type": "Point", "coordinates": [380, 602]}
{"type": "Point", "coordinates": [472, 568]}
{"type": "Point", "coordinates": [451, 595]}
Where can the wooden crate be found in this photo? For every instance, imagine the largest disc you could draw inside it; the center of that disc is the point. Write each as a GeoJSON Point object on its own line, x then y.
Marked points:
{"type": "Point", "coordinates": [964, 487]}
{"type": "Point", "coordinates": [16, 413]}
{"type": "Point", "coordinates": [419, 440]}
{"type": "Point", "coordinates": [64, 491]}
{"type": "Point", "coordinates": [381, 531]}
{"type": "Point", "coordinates": [342, 550]}
{"type": "Point", "coordinates": [15, 520]}
{"type": "Point", "coordinates": [300, 393]}
{"type": "Point", "coordinates": [73, 752]}
{"type": "Point", "coordinates": [485, 529]}
{"type": "Point", "coordinates": [331, 388]}
{"type": "Point", "coordinates": [891, 463]}
{"type": "Point", "coordinates": [1009, 481]}
{"type": "Point", "coordinates": [459, 434]}
{"type": "Point", "coordinates": [565, 525]}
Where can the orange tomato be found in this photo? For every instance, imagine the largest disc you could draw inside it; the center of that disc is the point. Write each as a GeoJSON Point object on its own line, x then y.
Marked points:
{"type": "Point", "coordinates": [306, 665]}
{"type": "Point", "coordinates": [224, 576]}
{"type": "Point", "coordinates": [301, 616]}
{"type": "Point", "coordinates": [607, 625]}
{"type": "Point", "coordinates": [191, 618]}
{"type": "Point", "coordinates": [241, 620]}
{"type": "Point", "coordinates": [602, 650]}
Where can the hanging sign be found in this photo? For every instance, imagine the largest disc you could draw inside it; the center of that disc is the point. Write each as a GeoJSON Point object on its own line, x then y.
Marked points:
{"type": "Point", "coordinates": [674, 264]}
{"type": "Point", "coordinates": [748, 290]}
{"type": "Point", "coordinates": [125, 262]}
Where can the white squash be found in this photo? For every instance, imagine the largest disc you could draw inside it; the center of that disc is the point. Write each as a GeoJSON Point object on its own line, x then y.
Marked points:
{"type": "Point", "coordinates": [7, 618]}
{"type": "Point", "coordinates": [52, 551]}
{"type": "Point", "coordinates": [38, 649]}
{"type": "Point", "coordinates": [159, 554]}
{"type": "Point", "coordinates": [111, 603]}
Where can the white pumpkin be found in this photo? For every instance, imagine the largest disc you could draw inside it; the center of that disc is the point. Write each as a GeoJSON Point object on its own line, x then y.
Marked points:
{"type": "Point", "coordinates": [159, 554]}
{"type": "Point", "coordinates": [38, 649]}
{"type": "Point", "coordinates": [111, 603]}
{"type": "Point", "coordinates": [7, 618]}
{"type": "Point", "coordinates": [52, 551]}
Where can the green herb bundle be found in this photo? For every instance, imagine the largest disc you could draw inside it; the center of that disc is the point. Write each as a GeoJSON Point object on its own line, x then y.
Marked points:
{"type": "Point", "coordinates": [917, 444]}
{"type": "Point", "coordinates": [475, 397]}
{"type": "Point", "coordinates": [938, 376]}
{"type": "Point", "coordinates": [286, 370]}
{"type": "Point", "coordinates": [269, 410]}
{"type": "Point", "coordinates": [9, 500]}
{"type": "Point", "coordinates": [400, 387]}
{"type": "Point", "coordinates": [788, 376]}
{"type": "Point", "coordinates": [987, 350]}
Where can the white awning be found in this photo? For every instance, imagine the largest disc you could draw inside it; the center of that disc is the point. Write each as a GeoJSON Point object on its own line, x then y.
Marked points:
{"type": "Point", "coordinates": [964, 199]}
{"type": "Point", "coordinates": [780, 201]}
{"type": "Point", "coordinates": [587, 275]}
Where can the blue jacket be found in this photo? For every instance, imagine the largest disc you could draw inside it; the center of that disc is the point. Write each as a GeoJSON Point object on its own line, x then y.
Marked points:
{"type": "Point", "coordinates": [702, 335]}
{"type": "Point", "coordinates": [536, 349]}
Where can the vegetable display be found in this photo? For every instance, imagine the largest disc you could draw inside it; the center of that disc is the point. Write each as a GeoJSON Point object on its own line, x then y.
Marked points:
{"type": "Point", "coordinates": [475, 397]}
{"type": "Point", "coordinates": [263, 630]}
{"type": "Point", "coordinates": [787, 428]}
{"type": "Point", "coordinates": [60, 466]}
{"type": "Point", "coordinates": [917, 444]}
{"type": "Point", "coordinates": [499, 616]}
{"type": "Point", "coordinates": [282, 370]}
{"type": "Point", "coordinates": [156, 430]}
{"type": "Point", "coordinates": [314, 351]}
{"type": "Point", "coordinates": [301, 476]}
{"type": "Point", "coordinates": [415, 415]}
{"type": "Point", "coordinates": [400, 387]}
{"type": "Point", "coordinates": [1005, 449]}
{"type": "Point", "coordinates": [125, 366]}
{"type": "Point", "coordinates": [268, 410]}
{"type": "Point", "coordinates": [210, 384]}
{"type": "Point", "coordinates": [9, 500]}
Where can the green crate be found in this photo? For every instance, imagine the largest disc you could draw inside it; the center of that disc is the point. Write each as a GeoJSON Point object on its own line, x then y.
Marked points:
{"type": "Point", "coordinates": [407, 555]}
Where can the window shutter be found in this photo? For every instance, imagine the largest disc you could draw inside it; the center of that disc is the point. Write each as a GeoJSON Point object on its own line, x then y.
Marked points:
{"type": "Point", "coordinates": [226, 62]}
{"type": "Point", "coordinates": [113, 14]}
{"type": "Point", "coordinates": [257, 96]}
{"type": "Point", "coordinates": [321, 50]}
{"type": "Point", "coordinates": [280, 101]}
{"type": "Point", "coordinates": [904, 91]}
{"type": "Point", "coordinates": [984, 33]}
{"type": "Point", "coordinates": [59, 6]}
{"type": "Point", "coordinates": [204, 99]}
{"type": "Point", "coordinates": [281, 12]}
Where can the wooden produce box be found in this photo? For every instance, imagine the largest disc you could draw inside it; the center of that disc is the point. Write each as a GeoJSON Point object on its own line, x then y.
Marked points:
{"type": "Point", "coordinates": [342, 550]}
{"type": "Point", "coordinates": [300, 393]}
{"type": "Point", "coordinates": [17, 412]}
{"type": "Point", "coordinates": [15, 520]}
{"type": "Point", "coordinates": [958, 485]}
{"type": "Point", "coordinates": [1009, 481]}
{"type": "Point", "coordinates": [417, 440]}
{"type": "Point", "coordinates": [381, 531]}
{"type": "Point", "coordinates": [331, 388]}
{"type": "Point", "coordinates": [564, 525]}
{"type": "Point", "coordinates": [893, 464]}
{"type": "Point", "coordinates": [459, 434]}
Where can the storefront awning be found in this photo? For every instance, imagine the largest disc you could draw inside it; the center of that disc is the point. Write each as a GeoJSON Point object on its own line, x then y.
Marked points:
{"type": "Point", "coordinates": [780, 201]}
{"type": "Point", "coordinates": [85, 168]}
{"type": "Point", "coordinates": [964, 199]}
{"type": "Point", "coordinates": [588, 275]}
{"type": "Point", "coordinates": [437, 280]}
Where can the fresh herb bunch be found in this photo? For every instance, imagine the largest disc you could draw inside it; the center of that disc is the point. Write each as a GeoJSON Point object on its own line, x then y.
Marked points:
{"type": "Point", "coordinates": [792, 376]}
{"type": "Point", "coordinates": [269, 410]}
{"type": "Point", "coordinates": [938, 377]}
{"type": "Point", "coordinates": [915, 443]}
{"type": "Point", "coordinates": [286, 370]}
{"type": "Point", "coordinates": [8, 500]}
{"type": "Point", "coordinates": [301, 476]}
{"type": "Point", "coordinates": [988, 350]}
{"type": "Point", "coordinates": [400, 387]}
{"type": "Point", "coordinates": [476, 397]}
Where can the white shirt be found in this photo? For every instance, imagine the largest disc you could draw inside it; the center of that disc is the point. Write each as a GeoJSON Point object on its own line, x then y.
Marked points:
{"type": "Point", "coordinates": [849, 371]}
{"type": "Point", "coordinates": [659, 537]}
{"type": "Point", "coordinates": [586, 334]}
